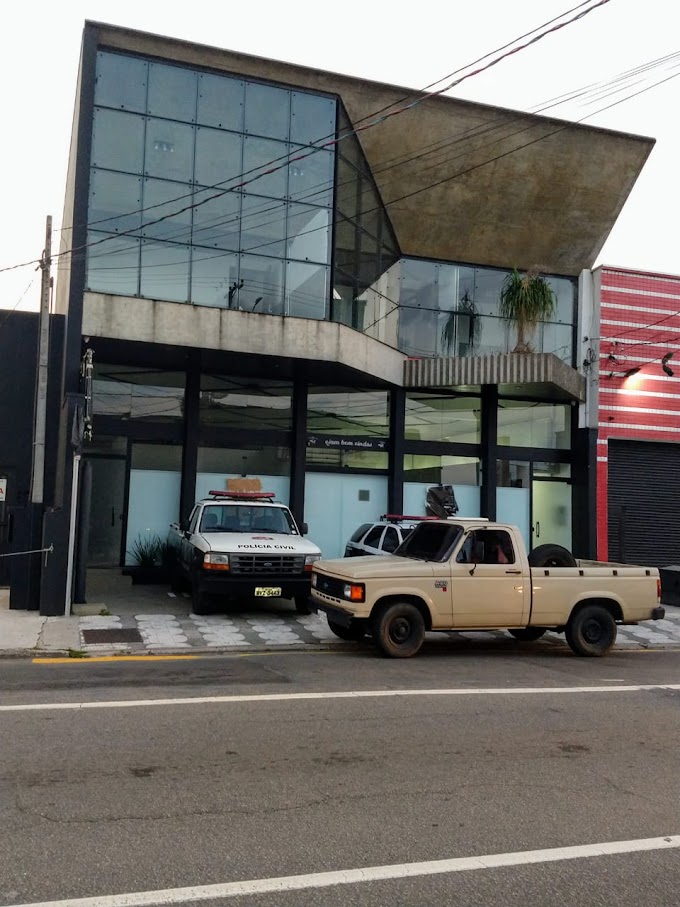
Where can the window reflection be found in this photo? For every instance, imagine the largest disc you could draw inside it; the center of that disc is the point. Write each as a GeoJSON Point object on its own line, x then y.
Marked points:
{"type": "Point", "coordinates": [118, 141]}
{"type": "Point", "coordinates": [169, 150]}
{"type": "Point", "coordinates": [534, 425]}
{"type": "Point", "coordinates": [112, 264]}
{"type": "Point", "coordinates": [220, 102]}
{"type": "Point", "coordinates": [214, 277]}
{"type": "Point", "coordinates": [267, 111]}
{"type": "Point", "coordinates": [165, 271]}
{"type": "Point", "coordinates": [121, 82]}
{"type": "Point", "coordinates": [172, 92]}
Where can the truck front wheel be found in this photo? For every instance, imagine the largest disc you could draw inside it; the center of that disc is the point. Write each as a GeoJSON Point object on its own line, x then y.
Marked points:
{"type": "Point", "coordinates": [591, 631]}
{"type": "Point", "coordinates": [399, 630]}
{"type": "Point", "coordinates": [356, 630]}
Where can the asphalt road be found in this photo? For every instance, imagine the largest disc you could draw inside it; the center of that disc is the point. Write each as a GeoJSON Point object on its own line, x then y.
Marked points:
{"type": "Point", "coordinates": [518, 751]}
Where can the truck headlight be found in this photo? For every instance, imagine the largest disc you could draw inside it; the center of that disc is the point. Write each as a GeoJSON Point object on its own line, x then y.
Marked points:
{"type": "Point", "coordinates": [215, 561]}
{"type": "Point", "coordinates": [310, 559]}
{"type": "Point", "coordinates": [354, 592]}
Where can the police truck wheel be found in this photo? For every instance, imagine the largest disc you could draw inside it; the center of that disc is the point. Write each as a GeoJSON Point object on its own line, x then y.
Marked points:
{"type": "Point", "coordinates": [399, 630]}
{"type": "Point", "coordinates": [302, 605]}
{"type": "Point", "coordinates": [199, 604]}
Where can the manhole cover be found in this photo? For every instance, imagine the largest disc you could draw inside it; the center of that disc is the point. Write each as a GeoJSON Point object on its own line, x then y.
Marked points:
{"type": "Point", "coordinates": [94, 637]}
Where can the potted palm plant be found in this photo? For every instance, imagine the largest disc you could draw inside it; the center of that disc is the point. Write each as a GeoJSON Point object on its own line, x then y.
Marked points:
{"type": "Point", "coordinates": [525, 300]}
{"type": "Point", "coordinates": [151, 560]}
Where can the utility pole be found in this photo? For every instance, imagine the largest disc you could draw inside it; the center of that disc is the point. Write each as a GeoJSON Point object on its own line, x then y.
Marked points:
{"type": "Point", "coordinates": [40, 427]}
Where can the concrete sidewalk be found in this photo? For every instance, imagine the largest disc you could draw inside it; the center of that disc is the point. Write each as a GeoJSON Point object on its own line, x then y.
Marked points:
{"type": "Point", "coordinates": [177, 631]}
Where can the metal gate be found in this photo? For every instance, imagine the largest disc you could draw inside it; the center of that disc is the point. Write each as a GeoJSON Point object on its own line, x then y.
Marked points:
{"type": "Point", "coordinates": [644, 503]}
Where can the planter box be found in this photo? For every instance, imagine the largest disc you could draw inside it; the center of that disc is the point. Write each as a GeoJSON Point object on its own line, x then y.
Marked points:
{"type": "Point", "coordinates": [150, 576]}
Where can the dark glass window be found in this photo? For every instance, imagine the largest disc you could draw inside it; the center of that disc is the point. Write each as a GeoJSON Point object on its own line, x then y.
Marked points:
{"type": "Point", "coordinates": [267, 111]}
{"type": "Point", "coordinates": [142, 394]}
{"type": "Point", "coordinates": [443, 417]}
{"type": "Point", "coordinates": [169, 150]}
{"type": "Point", "coordinates": [312, 118]}
{"type": "Point", "coordinates": [220, 102]}
{"type": "Point", "coordinates": [172, 92]}
{"type": "Point", "coordinates": [246, 403]}
{"type": "Point", "coordinates": [339, 411]}
{"type": "Point", "coordinates": [523, 424]}
{"type": "Point", "coordinates": [357, 534]}
{"type": "Point", "coordinates": [121, 82]}
{"type": "Point", "coordinates": [374, 536]}
{"type": "Point", "coordinates": [115, 201]}
{"type": "Point", "coordinates": [218, 157]}
{"type": "Point", "coordinates": [391, 540]}
{"type": "Point", "coordinates": [118, 141]}
{"type": "Point", "coordinates": [112, 264]}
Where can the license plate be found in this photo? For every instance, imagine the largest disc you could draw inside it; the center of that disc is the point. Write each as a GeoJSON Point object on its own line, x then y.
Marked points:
{"type": "Point", "coordinates": [268, 591]}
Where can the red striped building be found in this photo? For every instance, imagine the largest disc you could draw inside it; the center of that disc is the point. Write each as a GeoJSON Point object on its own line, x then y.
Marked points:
{"type": "Point", "coordinates": [638, 449]}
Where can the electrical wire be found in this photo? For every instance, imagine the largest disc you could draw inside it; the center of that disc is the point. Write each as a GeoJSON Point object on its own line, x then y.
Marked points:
{"type": "Point", "coordinates": [374, 121]}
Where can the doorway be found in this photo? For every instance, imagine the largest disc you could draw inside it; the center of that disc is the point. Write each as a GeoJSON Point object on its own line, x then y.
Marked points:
{"type": "Point", "coordinates": [536, 497]}
{"type": "Point", "coordinates": [107, 511]}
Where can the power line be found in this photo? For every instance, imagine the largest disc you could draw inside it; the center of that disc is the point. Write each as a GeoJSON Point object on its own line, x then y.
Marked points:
{"type": "Point", "coordinates": [376, 120]}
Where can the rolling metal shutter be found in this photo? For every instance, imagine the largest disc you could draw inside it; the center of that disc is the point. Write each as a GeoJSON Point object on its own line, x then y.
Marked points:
{"type": "Point", "coordinates": [644, 503]}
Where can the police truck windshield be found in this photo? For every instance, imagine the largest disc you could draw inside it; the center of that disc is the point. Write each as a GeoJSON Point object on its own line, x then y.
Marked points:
{"type": "Point", "coordinates": [239, 518]}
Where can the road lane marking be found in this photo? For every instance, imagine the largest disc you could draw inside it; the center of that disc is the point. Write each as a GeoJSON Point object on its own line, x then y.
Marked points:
{"type": "Point", "coordinates": [367, 874]}
{"type": "Point", "coordinates": [94, 659]}
{"type": "Point", "coordinates": [341, 694]}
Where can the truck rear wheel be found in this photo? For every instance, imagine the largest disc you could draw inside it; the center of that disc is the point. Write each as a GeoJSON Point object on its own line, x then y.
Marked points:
{"type": "Point", "coordinates": [527, 634]}
{"type": "Point", "coordinates": [591, 631]}
{"type": "Point", "coordinates": [399, 630]}
{"type": "Point", "coordinates": [356, 630]}
{"type": "Point", "coordinates": [551, 556]}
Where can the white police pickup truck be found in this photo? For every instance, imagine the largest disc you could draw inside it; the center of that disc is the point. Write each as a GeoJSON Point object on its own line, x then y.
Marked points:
{"type": "Point", "coordinates": [239, 545]}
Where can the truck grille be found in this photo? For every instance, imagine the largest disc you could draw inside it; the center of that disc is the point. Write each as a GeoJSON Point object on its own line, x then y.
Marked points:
{"type": "Point", "coordinates": [330, 585]}
{"type": "Point", "coordinates": [266, 564]}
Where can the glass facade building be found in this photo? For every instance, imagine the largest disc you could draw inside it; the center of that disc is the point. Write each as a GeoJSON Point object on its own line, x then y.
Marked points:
{"type": "Point", "coordinates": [254, 282]}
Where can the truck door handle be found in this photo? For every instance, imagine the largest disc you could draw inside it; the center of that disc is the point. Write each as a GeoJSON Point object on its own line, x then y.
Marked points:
{"type": "Point", "coordinates": [514, 572]}
{"type": "Point", "coordinates": [538, 529]}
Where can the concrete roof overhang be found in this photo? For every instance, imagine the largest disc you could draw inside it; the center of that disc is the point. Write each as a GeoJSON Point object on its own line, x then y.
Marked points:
{"type": "Point", "coordinates": [505, 188]}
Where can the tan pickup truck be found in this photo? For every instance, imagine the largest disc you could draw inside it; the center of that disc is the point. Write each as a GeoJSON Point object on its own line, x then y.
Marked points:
{"type": "Point", "coordinates": [476, 575]}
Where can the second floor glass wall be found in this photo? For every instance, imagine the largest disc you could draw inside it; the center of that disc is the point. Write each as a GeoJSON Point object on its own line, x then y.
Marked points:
{"type": "Point", "coordinates": [170, 146]}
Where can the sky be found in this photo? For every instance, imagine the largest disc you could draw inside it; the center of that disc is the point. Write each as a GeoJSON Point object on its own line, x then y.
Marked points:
{"type": "Point", "coordinates": [406, 44]}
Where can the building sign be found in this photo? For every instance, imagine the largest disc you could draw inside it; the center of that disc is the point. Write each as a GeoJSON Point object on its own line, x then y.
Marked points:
{"type": "Point", "coordinates": [3, 490]}
{"type": "Point", "coordinates": [338, 442]}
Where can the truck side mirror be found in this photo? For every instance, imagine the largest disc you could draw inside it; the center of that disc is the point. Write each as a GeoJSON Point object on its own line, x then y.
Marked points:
{"type": "Point", "coordinates": [304, 528]}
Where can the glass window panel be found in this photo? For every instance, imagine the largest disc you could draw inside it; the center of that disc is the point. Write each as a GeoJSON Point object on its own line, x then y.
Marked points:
{"type": "Point", "coordinates": [262, 289]}
{"type": "Point", "coordinates": [115, 201]}
{"type": "Point", "coordinates": [172, 92]}
{"type": "Point", "coordinates": [218, 464]}
{"type": "Point", "coordinates": [495, 335]}
{"type": "Point", "coordinates": [267, 111]}
{"type": "Point", "coordinates": [213, 276]}
{"type": "Point", "coordinates": [311, 180]}
{"type": "Point", "coordinates": [263, 226]}
{"type": "Point", "coordinates": [446, 470]}
{"type": "Point", "coordinates": [169, 150]}
{"type": "Point", "coordinates": [130, 392]}
{"type": "Point", "coordinates": [165, 271]}
{"type": "Point", "coordinates": [523, 424]}
{"type": "Point", "coordinates": [218, 157]}
{"type": "Point", "coordinates": [557, 339]}
{"type": "Point", "coordinates": [246, 403]}
{"type": "Point", "coordinates": [312, 118]}
{"type": "Point", "coordinates": [309, 233]}
{"type": "Point", "coordinates": [488, 285]}
{"type": "Point", "coordinates": [217, 220]}
{"type": "Point", "coordinates": [342, 411]}
{"type": "Point", "coordinates": [418, 320]}
{"type": "Point", "coordinates": [440, 417]}
{"type": "Point", "coordinates": [220, 101]}
{"type": "Point", "coordinates": [345, 246]}
{"type": "Point", "coordinates": [258, 155]}
{"type": "Point", "coordinates": [162, 198]}
{"type": "Point", "coordinates": [565, 292]}
{"type": "Point", "coordinates": [346, 189]}
{"type": "Point", "coordinates": [306, 290]}
{"type": "Point", "coordinates": [113, 265]}
{"type": "Point", "coordinates": [121, 82]}
{"type": "Point", "coordinates": [118, 140]}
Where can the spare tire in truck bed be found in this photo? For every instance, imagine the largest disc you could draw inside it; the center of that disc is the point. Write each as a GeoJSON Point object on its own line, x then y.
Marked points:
{"type": "Point", "coordinates": [551, 556]}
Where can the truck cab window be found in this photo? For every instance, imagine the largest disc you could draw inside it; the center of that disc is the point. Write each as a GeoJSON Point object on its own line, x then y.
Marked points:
{"type": "Point", "coordinates": [487, 546]}
{"type": "Point", "coordinates": [431, 542]}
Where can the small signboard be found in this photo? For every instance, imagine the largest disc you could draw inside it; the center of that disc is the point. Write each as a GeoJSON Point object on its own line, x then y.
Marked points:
{"type": "Point", "coordinates": [243, 484]}
{"type": "Point", "coordinates": [3, 490]}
